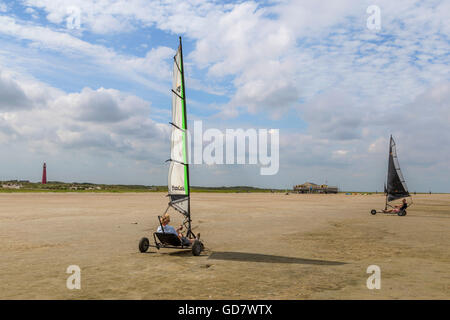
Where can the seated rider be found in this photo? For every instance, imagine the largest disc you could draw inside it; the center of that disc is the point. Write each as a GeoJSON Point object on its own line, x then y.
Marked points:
{"type": "Point", "coordinates": [398, 208]}
{"type": "Point", "coordinates": [169, 229]}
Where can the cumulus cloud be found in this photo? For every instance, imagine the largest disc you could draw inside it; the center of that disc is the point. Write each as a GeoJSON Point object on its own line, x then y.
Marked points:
{"type": "Point", "coordinates": [287, 51]}
{"type": "Point", "coordinates": [6, 131]}
{"type": "Point", "coordinates": [104, 121]}
{"type": "Point", "coordinates": [352, 86]}
{"type": "Point", "coordinates": [102, 105]}
{"type": "Point", "coordinates": [22, 92]}
{"type": "Point", "coordinates": [420, 129]}
{"type": "Point", "coordinates": [424, 125]}
{"type": "Point", "coordinates": [12, 95]}
{"type": "Point", "coordinates": [333, 116]}
{"type": "Point", "coordinates": [155, 64]}
{"type": "Point", "coordinates": [378, 146]}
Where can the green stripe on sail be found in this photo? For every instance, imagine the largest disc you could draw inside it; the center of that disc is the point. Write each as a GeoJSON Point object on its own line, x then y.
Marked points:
{"type": "Point", "coordinates": [184, 128]}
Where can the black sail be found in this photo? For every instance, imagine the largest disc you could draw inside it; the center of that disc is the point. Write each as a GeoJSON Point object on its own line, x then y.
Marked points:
{"type": "Point", "coordinates": [396, 185]}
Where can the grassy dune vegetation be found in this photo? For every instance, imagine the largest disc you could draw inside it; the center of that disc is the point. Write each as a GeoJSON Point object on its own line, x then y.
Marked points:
{"type": "Point", "coordinates": [55, 186]}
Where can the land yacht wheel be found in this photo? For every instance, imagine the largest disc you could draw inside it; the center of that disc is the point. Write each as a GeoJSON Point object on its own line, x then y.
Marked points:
{"type": "Point", "coordinates": [143, 245]}
{"type": "Point", "coordinates": [197, 248]}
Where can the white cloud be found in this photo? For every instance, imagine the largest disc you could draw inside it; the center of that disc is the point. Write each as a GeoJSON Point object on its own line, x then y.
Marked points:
{"type": "Point", "coordinates": [340, 153]}
{"type": "Point", "coordinates": [18, 92]}
{"type": "Point", "coordinates": [104, 121]}
{"type": "Point", "coordinates": [155, 65]}
{"type": "Point", "coordinates": [288, 51]}
{"type": "Point", "coordinates": [12, 95]}
{"type": "Point", "coordinates": [334, 116]}
{"type": "Point", "coordinates": [378, 146]}
{"type": "Point", "coordinates": [352, 86]}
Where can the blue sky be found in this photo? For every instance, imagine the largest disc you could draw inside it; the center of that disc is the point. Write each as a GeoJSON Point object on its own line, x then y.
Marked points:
{"type": "Point", "coordinates": [94, 101]}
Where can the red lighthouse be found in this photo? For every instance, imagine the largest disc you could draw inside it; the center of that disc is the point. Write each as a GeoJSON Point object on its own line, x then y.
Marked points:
{"type": "Point", "coordinates": [44, 174]}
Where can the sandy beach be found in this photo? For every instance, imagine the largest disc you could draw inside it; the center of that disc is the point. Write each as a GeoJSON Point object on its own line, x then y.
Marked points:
{"type": "Point", "coordinates": [259, 246]}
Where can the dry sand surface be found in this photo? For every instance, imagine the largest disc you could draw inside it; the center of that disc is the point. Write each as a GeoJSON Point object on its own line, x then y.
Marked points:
{"type": "Point", "coordinates": [259, 246]}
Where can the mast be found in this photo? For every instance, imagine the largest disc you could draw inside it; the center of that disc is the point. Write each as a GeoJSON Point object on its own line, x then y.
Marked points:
{"type": "Point", "coordinates": [387, 176]}
{"type": "Point", "coordinates": [187, 156]}
{"type": "Point", "coordinates": [385, 203]}
{"type": "Point", "coordinates": [386, 194]}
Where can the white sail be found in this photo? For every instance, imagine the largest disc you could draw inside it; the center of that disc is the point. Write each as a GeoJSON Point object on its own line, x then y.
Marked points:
{"type": "Point", "coordinates": [178, 183]}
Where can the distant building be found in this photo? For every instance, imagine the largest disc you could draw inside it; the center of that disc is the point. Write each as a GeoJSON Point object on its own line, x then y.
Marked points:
{"type": "Point", "coordinates": [11, 186]}
{"type": "Point", "coordinates": [310, 187]}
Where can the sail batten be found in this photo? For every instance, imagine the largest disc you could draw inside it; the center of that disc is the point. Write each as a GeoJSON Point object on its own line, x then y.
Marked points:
{"type": "Point", "coordinates": [178, 179]}
{"type": "Point", "coordinates": [396, 186]}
